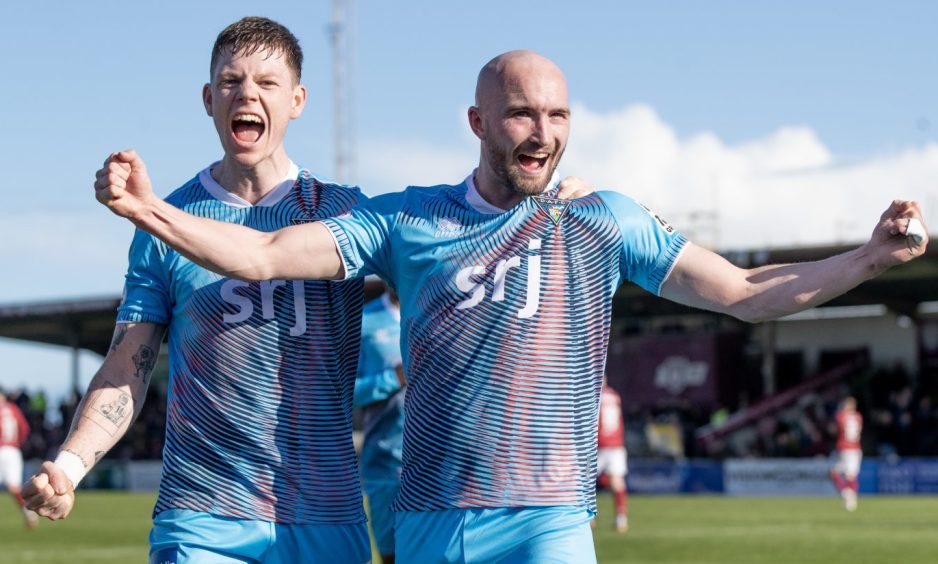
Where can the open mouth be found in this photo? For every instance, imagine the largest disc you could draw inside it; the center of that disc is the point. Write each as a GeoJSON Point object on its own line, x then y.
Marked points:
{"type": "Point", "coordinates": [533, 163]}
{"type": "Point", "coordinates": [247, 128]}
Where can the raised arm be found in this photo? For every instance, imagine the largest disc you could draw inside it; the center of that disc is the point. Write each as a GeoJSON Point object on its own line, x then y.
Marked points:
{"type": "Point", "coordinates": [114, 399]}
{"type": "Point", "coordinates": [708, 281]}
{"type": "Point", "coordinates": [305, 251]}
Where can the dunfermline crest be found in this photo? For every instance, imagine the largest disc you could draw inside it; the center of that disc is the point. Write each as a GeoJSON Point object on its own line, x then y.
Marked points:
{"type": "Point", "coordinates": [554, 207]}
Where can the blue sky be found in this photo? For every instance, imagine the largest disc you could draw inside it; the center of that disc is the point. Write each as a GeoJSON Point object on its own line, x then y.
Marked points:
{"type": "Point", "coordinates": [744, 107]}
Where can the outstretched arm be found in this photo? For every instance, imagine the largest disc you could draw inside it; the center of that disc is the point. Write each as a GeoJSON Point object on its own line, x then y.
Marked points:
{"type": "Point", "coordinates": [114, 399]}
{"type": "Point", "coordinates": [706, 280]}
{"type": "Point", "coordinates": [305, 251]}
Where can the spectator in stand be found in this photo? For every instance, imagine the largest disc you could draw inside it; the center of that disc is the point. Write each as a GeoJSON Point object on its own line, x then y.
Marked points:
{"type": "Point", "coordinates": [13, 431]}
{"type": "Point", "coordinates": [21, 399]}
{"type": "Point", "coordinates": [612, 465]}
{"type": "Point", "coordinates": [849, 454]}
{"type": "Point", "coordinates": [37, 403]}
{"type": "Point", "coordinates": [812, 441]}
{"type": "Point", "coordinates": [68, 407]}
{"type": "Point", "coordinates": [925, 427]}
{"type": "Point", "coordinates": [901, 410]}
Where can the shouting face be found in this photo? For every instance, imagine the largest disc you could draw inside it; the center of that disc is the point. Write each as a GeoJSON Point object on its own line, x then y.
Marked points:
{"type": "Point", "coordinates": [522, 119]}
{"type": "Point", "coordinates": [251, 98]}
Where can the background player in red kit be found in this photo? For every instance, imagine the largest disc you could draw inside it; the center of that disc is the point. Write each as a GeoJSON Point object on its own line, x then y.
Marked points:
{"type": "Point", "coordinates": [849, 453]}
{"type": "Point", "coordinates": [612, 464]}
{"type": "Point", "coordinates": [13, 431]}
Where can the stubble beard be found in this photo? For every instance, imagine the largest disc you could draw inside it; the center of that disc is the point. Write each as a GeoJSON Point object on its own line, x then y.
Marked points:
{"type": "Point", "coordinates": [514, 179]}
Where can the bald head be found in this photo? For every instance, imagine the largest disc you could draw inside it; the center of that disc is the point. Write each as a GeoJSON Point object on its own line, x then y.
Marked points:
{"type": "Point", "coordinates": [505, 71]}
{"type": "Point", "coordinates": [521, 116]}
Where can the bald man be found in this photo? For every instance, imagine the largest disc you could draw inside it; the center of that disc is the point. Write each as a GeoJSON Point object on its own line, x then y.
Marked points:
{"type": "Point", "coordinates": [506, 295]}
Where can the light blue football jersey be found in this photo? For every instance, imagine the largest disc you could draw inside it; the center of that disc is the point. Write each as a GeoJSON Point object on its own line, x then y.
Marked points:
{"type": "Point", "coordinates": [379, 395]}
{"type": "Point", "coordinates": [505, 322]}
{"type": "Point", "coordinates": [378, 392]}
{"type": "Point", "coordinates": [261, 375]}
{"type": "Point", "coordinates": [380, 352]}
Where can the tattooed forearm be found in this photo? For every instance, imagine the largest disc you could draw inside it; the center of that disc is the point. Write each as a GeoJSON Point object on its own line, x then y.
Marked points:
{"type": "Point", "coordinates": [119, 333]}
{"type": "Point", "coordinates": [110, 408]}
{"type": "Point", "coordinates": [117, 392]}
{"type": "Point", "coordinates": [144, 361]}
{"type": "Point", "coordinates": [116, 411]}
{"type": "Point", "coordinates": [80, 457]}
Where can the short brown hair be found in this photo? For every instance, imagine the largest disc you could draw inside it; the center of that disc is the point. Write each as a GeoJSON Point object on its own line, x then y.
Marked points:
{"type": "Point", "coordinates": [251, 34]}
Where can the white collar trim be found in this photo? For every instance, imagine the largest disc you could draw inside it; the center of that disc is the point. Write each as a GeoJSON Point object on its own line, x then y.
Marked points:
{"type": "Point", "coordinates": [481, 205]}
{"type": "Point", "coordinates": [271, 198]}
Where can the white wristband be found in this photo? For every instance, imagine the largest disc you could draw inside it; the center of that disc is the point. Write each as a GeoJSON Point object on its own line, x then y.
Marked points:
{"type": "Point", "coordinates": [72, 465]}
{"type": "Point", "coordinates": [915, 231]}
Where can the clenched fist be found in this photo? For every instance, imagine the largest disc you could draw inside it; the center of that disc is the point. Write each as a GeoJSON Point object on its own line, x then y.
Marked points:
{"type": "Point", "coordinates": [49, 493]}
{"type": "Point", "coordinates": [123, 185]}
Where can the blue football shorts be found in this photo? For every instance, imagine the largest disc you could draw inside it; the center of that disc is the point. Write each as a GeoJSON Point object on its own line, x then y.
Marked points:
{"type": "Point", "coordinates": [509, 535]}
{"type": "Point", "coordinates": [193, 537]}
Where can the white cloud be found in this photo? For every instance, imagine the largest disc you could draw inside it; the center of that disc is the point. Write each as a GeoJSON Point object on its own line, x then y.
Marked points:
{"type": "Point", "coordinates": [790, 149]}
{"type": "Point", "coordinates": [386, 165]}
{"type": "Point", "coordinates": [783, 189]}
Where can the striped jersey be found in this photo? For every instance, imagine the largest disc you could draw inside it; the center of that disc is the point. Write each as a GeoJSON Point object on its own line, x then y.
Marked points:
{"type": "Point", "coordinates": [378, 392]}
{"type": "Point", "coordinates": [505, 322]}
{"type": "Point", "coordinates": [261, 375]}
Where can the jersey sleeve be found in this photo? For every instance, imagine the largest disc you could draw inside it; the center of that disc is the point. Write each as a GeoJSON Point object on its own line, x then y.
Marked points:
{"type": "Point", "coordinates": [360, 197]}
{"type": "Point", "coordinates": [650, 246]}
{"type": "Point", "coordinates": [363, 236]}
{"type": "Point", "coordinates": [146, 285]}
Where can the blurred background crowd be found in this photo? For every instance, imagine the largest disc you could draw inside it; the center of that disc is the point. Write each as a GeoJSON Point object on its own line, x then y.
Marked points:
{"type": "Point", "coordinates": [900, 416]}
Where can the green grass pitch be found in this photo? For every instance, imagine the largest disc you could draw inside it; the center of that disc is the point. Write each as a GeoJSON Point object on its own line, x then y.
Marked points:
{"type": "Point", "coordinates": [112, 527]}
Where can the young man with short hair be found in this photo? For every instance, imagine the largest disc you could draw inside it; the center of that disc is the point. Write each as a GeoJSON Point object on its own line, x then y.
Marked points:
{"type": "Point", "coordinates": [258, 462]}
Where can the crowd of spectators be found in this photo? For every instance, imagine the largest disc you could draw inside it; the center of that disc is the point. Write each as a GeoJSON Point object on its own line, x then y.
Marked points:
{"type": "Point", "coordinates": [144, 440]}
{"type": "Point", "coordinates": [899, 412]}
{"type": "Point", "coordinates": [900, 419]}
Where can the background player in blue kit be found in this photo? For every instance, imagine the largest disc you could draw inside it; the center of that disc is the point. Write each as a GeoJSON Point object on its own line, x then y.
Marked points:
{"type": "Point", "coordinates": [506, 298]}
{"type": "Point", "coordinates": [258, 463]}
{"type": "Point", "coordinates": [379, 392]}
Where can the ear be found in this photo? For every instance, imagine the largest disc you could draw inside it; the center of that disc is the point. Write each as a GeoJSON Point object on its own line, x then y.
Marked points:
{"type": "Point", "coordinates": [475, 122]}
{"type": "Point", "coordinates": [299, 101]}
{"type": "Point", "coordinates": [207, 98]}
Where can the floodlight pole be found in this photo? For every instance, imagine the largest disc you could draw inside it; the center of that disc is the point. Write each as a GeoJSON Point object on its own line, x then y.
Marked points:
{"type": "Point", "coordinates": [342, 39]}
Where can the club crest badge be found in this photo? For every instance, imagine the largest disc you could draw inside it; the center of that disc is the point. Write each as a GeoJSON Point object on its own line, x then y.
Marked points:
{"type": "Point", "coordinates": [553, 207]}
